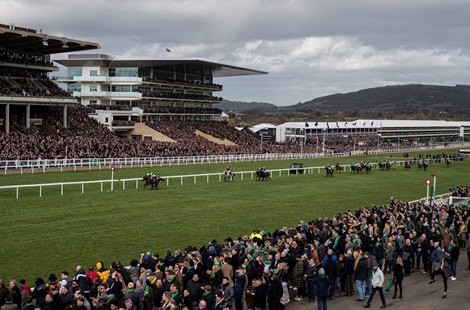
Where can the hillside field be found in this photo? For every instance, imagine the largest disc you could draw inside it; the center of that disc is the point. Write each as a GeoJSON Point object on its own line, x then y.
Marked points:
{"type": "Point", "coordinates": [55, 233]}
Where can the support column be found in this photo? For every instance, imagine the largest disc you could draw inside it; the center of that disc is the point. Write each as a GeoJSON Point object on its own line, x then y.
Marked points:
{"type": "Point", "coordinates": [65, 116]}
{"type": "Point", "coordinates": [7, 118]}
{"type": "Point", "coordinates": [28, 116]}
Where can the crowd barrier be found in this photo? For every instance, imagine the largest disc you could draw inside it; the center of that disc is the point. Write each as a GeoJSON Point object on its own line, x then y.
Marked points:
{"type": "Point", "coordinates": [42, 165]}
{"type": "Point", "coordinates": [181, 178]}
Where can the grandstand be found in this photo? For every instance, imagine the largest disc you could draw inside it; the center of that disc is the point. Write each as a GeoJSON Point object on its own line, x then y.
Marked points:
{"type": "Point", "coordinates": [24, 85]}
{"type": "Point", "coordinates": [125, 92]}
{"type": "Point", "coordinates": [382, 132]}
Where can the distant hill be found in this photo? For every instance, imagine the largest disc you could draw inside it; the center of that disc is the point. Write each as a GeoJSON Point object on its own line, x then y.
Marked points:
{"type": "Point", "coordinates": [392, 101]}
{"type": "Point", "coordinates": [413, 101]}
{"type": "Point", "coordinates": [238, 106]}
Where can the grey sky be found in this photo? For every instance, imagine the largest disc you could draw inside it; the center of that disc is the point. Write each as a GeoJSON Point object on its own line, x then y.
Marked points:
{"type": "Point", "coordinates": [309, 47]}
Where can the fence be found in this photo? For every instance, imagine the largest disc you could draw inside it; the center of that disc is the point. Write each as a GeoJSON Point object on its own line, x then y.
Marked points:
{"type": "Point", "coordinates": [194, 177]}
{"type": "Point", "coordinates": [42, 165]}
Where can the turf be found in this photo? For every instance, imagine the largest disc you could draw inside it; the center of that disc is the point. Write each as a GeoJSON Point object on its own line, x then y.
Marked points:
{"type": "Point", "coordinates": [54, 233]}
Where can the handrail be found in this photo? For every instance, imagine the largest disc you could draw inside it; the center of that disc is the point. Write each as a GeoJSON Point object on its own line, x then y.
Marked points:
{"type": "Point", "coordinates": [101, 163]}
{"type": "Point", "coordinates": [306, 170]}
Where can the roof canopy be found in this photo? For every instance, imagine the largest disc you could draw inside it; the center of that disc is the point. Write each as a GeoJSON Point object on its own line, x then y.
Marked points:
{"type": "Point", "coordinates": [29, 41]}
{"type": "Point", "coordinates": [218, 70]}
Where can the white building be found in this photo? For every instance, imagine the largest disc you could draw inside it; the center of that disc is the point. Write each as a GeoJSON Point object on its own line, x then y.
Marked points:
{"type": "Point", "coordinates": [395, 131]}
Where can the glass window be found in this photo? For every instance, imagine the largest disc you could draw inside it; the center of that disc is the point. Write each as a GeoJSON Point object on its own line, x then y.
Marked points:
{"type": "Point", "coordinates": [71, 72]}
{"type": "Point", "coordinates": [125, 72]}
{"type": "Point", "coordinates": [93, 87]}
{"type": "Point", "coordinates": [93, 72]}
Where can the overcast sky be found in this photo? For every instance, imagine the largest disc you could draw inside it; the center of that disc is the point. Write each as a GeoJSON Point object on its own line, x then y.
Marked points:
{"type": "Point", "coordinates": [310, 48]}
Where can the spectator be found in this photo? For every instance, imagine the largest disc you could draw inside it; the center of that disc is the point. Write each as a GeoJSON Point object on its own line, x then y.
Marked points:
{"type": "Point", "coordinates": [377, 285]}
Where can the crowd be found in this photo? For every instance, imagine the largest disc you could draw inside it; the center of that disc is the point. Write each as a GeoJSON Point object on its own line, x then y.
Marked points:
{"type": "Point", "coordinates": [21, 58]}
{"type": "Point", "coordinates": [28, 86]}
{"type": "Point", "coordinates": [86, 138]}
{"type": "Point", "coordinates": [184, 83]}
{"type": "Point", "coordinates": [154, 94]}
{"type": "Point", "coordinates": [350, 254]}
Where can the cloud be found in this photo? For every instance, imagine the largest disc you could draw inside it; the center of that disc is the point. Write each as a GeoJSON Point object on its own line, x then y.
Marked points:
{"type": "Point", "coordinates": [310, 48]}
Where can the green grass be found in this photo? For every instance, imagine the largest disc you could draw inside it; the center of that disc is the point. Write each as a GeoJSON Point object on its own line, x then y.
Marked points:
{"type": "Point", "coordinates": [54, 233]}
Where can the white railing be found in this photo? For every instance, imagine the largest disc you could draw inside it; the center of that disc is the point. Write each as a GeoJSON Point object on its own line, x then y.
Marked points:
{"type": "Point", "coordinates": [440, 199]}
{"type": "Point", "coordinates": [194, 178]}
{"type": "Point", "coordinates": [41, 186]}
{"type": "Point", "coordinates": [103, 163]}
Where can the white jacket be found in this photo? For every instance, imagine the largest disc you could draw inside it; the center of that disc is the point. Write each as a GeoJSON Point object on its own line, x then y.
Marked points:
{"type": "Point", "coordinates": [377, 278]}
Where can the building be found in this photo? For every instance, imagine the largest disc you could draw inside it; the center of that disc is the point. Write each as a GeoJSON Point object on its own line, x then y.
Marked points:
{"type": "Point", "coordinates": [126, 92]}
{"type": "Point", "coordinates": [24, 65]}
{"type": "Point", "coordinates": [394, 132]}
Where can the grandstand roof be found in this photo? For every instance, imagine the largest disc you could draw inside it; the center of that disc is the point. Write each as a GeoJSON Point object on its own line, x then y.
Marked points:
{"type": "Point", "coordinates": [259, 127]}
{"type": "Point", "coordinates": [218, 69]}
{"type": "Point", "coordinates": [30, 41]}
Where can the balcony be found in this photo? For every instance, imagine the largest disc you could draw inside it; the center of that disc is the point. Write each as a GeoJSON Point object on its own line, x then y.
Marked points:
{"type": "Point", "coordinates": [114, 80]}
{"type": "Point", "coordinates": [112, 95]}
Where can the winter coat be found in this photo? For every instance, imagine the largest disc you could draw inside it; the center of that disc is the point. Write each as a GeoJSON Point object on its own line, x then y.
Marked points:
{"type": "Point", "coordinates": [361, 271]}
{"type": "Point", "coordinates": [322, 286]}
{"type": "Point", "coordinates": [298, 275]}
{"type": "Point", "coordinates": [398, 273]}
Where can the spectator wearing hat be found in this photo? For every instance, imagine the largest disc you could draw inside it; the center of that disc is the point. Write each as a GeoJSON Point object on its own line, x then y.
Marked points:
{"type": "Point", "coordinates": [322, 289]}
{"type": "Point", "coordinates": [377, 285]}
{"type": "Point", "coordinates": [53, 282]}
{"type": "Point", "coordinates": [208, 296]}
{"type": "Point", "coordinates": [40, 291]}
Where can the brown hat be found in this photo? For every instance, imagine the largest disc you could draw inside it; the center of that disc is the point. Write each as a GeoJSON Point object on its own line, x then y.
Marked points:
{"type": "Point", "coordinates": [208, 287]}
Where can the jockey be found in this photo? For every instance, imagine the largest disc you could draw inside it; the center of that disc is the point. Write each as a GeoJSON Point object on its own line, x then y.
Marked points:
{"type": "Point", "coordinates": [154, 177]}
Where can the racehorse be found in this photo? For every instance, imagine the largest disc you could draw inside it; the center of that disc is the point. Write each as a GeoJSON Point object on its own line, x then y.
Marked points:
{"type": "Point", "coordinates": [329, 171]}
{"type": "Point", "coordinates": [382, 165]}
{"type": "Point", "coordinates": [407, 165]}
{"type": "Point", "coordinates": [153, 182]}
{"type": "Point", "coordinates": [339, 168]}
{"type": "Point", "coordinates": [447, 161]}
{"type": "Point", "coordinates": [356, 168]}
{"type": "Point", "coordinates": [228, 175]}
{"type": "Point", "coordinates": [422, 164]}
{"type": "Point", "coordinates": [367, 167]}
{"type": "Point", "coordinates": [262, 174]}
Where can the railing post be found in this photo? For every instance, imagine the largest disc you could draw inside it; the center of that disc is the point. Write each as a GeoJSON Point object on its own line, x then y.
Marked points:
{"type": "Point", "coordinates": [83, 187]}
{"type": "Point", "coordinates": [17, 192]}
{"type": "Point", "coordinates": [181, 180]}
{"type": "Point", "coordinates": [62, 189]}
{"type": "Point", "coordinates": [40, 191]}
